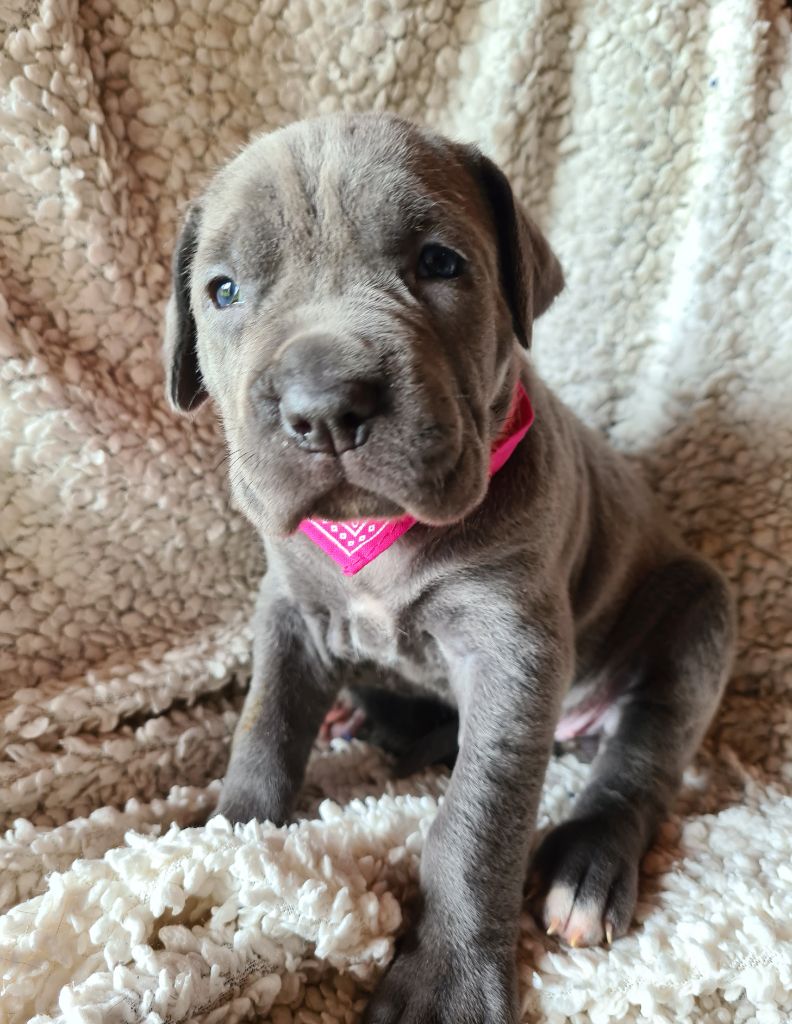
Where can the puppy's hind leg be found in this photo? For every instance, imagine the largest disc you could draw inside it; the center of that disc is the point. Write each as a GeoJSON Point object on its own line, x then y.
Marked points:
{"type": "Point", "coordinates": [418, 731]}
{"type": "Point", "coordinates": [674, 643]}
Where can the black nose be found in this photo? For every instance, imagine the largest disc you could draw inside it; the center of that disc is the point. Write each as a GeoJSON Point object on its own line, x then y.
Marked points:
{"type": "Point", "coordinates": [327, 399]}
{"type": "Point", "coordinates": [331, 416]}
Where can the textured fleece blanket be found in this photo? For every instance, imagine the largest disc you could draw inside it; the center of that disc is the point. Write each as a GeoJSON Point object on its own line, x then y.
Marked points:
{"type": "Point", "coordinates": [653, 142]}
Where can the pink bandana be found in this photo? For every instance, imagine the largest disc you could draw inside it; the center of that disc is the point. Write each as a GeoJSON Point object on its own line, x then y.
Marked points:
{"type": "Point", "coordinates": [354, 543]}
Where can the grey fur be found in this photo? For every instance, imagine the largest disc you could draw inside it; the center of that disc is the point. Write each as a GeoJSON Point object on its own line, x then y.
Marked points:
{"type": "Point", "coordinates": [561, 579]}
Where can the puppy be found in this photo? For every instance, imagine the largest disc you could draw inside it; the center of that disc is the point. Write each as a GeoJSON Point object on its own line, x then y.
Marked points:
{"type": "Point", "coordinates": [357, 295]}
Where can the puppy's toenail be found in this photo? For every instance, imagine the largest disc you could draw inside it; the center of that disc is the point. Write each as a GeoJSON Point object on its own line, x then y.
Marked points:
{"type": "Point", "coordinates": [609, 933]}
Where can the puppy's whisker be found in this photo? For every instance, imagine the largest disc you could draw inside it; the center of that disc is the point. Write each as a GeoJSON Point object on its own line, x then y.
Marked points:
{"type": "Point", "coordinates": [216, 468]}
{"type": "Point", "coordinates": [238, 459]}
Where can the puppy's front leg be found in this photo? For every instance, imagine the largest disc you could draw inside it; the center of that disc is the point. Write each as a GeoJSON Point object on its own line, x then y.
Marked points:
{"type": "Point", "coordinates": [457, 965]}
{"type": "Point", "coordinates": [290, 693]}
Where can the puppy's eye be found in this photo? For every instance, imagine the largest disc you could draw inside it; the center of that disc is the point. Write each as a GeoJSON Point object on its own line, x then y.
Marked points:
{"type": "Point", "coordinates": [438, 261]}
{"type": "Point", "coordinates": [224, 292]}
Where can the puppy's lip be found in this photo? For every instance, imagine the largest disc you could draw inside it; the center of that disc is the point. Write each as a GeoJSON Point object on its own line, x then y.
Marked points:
{"type": "Point", "coordinates": [439, 521]}
{"type": "Point", "coordinates": [412, 502]}
{"type": "Point", "coordinates": [462, 505]}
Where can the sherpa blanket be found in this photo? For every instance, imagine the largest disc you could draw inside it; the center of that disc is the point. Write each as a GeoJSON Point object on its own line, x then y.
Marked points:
{"type": "Point", "coordinates": [653, 142]}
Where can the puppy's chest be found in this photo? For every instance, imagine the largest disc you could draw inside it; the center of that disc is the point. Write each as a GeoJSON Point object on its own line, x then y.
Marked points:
{"type": "Point", "coordinates": [365, 629]}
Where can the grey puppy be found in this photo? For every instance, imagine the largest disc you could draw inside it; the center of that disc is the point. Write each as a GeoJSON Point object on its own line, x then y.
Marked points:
{"type": "Point", "coordinates": [357, 295]}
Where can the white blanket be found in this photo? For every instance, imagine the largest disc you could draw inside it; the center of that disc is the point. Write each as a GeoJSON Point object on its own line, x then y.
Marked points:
{"type": "Point", "coordinates": [653, 142]}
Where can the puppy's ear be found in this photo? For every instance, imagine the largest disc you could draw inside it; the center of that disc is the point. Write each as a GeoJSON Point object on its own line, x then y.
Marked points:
{"type": "Point", "coordinates": [530, 273]}
{"type": "Point", "coordinates": [185, 386]}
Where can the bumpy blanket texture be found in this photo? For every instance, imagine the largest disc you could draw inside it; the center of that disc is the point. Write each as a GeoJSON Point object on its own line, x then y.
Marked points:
{"type": "Point", "coordinates": [653, 142]}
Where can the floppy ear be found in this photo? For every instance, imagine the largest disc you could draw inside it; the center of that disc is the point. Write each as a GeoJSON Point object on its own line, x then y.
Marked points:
{"type": "Point", "coordinates": [185, 386]}
{"type": "Point", "coordinates": [530, 273]}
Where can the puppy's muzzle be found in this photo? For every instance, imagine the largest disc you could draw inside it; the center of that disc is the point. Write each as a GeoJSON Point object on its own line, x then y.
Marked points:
{"type": "Point", "coordinates": [323, 406]}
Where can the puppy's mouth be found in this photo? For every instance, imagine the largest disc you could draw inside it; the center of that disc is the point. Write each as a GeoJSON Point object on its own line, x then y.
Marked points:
{"type": "Point", "coordinates": [372, 488]}
{"type": "Point", "coordinates": [432, 469]}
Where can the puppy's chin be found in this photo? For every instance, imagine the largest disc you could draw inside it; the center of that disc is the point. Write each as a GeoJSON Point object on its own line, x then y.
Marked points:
{"type": "Point", "coordinates": [281, 514]}
{"type": "Point", "coordinates": [349, 502]}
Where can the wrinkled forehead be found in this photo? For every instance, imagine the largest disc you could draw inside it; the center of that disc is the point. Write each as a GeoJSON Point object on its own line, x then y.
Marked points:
{"type": "Point", "coordinates": [362, 182]}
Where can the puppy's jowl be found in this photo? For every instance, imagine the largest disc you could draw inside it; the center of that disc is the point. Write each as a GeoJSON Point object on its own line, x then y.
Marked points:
{"type": "Point", "coordinates": [357, 295]}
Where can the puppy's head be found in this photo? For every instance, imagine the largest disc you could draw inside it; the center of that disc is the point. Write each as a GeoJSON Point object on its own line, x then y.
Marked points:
{"type": "Point", "coordinates": [350, 291]}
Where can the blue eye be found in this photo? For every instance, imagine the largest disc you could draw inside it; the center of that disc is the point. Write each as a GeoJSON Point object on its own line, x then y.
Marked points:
{"type": "Point", "coordinates": [224, 292]}
{"type": "Point", "coordinates": [438, 261]}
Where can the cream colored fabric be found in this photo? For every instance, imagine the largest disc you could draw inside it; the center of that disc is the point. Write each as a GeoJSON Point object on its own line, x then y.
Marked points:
{"type": "Point", "coordinates": [653, 142]}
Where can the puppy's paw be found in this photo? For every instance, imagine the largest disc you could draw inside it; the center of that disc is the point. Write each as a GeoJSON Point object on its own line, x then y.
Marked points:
{"type": "Point", "coordinates": [428, 983]}
{"type": "Point", "coordinates": [583, 883]}
{"type": "Point", "coordinates": [242, 804]}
